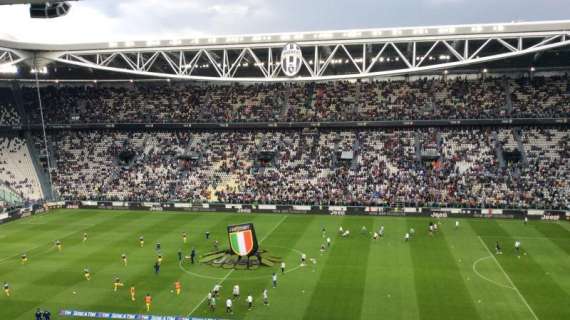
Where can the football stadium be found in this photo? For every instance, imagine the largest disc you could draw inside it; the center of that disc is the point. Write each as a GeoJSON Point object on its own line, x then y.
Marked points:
{"type": "Point", "coordinates": [374, 173]}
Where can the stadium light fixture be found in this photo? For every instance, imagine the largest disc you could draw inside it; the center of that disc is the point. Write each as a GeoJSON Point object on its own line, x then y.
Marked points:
{"type": "Point", "coordinates": [8, 69]}
{"type": "Point", "coordinates": [485, 70]}
{"type": "Point", "coordinates": [532, 69]}
{"type": "Point", "coordinates": [445, 71]}
{"type": "Point", "coordinates": [42, 70]}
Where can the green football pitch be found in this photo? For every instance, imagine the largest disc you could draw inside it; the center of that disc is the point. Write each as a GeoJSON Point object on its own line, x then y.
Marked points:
{"type": "Point", "coordinates": [454, 274]}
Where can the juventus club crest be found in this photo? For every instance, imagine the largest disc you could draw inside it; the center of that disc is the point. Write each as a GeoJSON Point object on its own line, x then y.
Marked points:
{"type": "Point", "coordinates": [291, 59]}
{"type": "Point", "coordinates": [243, 241]}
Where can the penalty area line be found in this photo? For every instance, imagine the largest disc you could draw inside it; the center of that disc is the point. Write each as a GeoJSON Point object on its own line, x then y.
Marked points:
{"type": "Point", "coordinates": [509, 279]}
{"type": "Point", "coordinates": [232, 271]}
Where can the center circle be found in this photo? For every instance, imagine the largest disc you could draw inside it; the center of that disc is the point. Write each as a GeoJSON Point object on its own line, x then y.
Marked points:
{"type": "Point", "coordinates": [206, 276]}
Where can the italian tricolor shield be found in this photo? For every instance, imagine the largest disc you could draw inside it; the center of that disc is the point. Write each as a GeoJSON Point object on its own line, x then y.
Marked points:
{"type": "Point", "coordinates": [241, 242]}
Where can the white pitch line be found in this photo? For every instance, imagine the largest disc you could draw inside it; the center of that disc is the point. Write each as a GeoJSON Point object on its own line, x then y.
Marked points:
{"type": "Point", "coordinates": [232, 271]}
{"type": "Point", "coordinates": [509, 279]}
{"type": "Point", "coordinates": [485, 278]}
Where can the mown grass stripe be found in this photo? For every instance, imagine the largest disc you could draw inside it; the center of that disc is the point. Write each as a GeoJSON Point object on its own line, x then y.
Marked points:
{"type": "Point", "coordinates": [555, 233]}
{"type": "Point", "coordinates": [344, 274]}
{"type": "Point", "coordinates": [543, 295]}
{"type": "Point", "coordinates": [60, 275]}
{"type": "Point", "coordinates": [440, 288]}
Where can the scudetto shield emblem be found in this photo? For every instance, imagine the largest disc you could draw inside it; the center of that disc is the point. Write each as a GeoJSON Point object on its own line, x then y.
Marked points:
{"type": "Point", "coordinates": [243, 241]}
{"type": "Point", "coordinates": [291, 59]}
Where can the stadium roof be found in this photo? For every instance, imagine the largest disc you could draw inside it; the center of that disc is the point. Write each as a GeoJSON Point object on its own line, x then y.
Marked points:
{"type": "Point", "coordinates": [325, 55]}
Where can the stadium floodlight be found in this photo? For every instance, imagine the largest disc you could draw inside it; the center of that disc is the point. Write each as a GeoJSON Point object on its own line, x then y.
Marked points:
{"type": "Point", "coordinates": [532, 69]}
{"type": "Point", "coordinates": [445, 71]}
{"type": "Point", "coordinates": [8, 69]}
{"type": "Point", "coordinates": [485, 70]}
{"type": "Point", "coordinates": [42, 70]}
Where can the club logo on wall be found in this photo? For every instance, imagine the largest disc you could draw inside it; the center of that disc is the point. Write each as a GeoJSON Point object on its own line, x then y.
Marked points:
{"type": "Point", "coordinates": [291, 59]}
{"type": "Point", "coordinates": [243, 241]}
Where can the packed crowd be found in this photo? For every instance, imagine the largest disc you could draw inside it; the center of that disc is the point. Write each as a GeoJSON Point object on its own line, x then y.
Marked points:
{"type": "Point", "coordinates": [386, 167]}
{"type": "Point", "coordinates": [8, 114]}
{"type": "Point", "coordinates": [424, 99]}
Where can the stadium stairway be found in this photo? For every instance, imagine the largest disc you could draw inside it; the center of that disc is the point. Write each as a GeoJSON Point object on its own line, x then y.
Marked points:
{"type": "Point", "coordinates": [43, 176]}
{"type": "Point", "coordinates": [508, 96]}
{"type": "Point", "coordinates": [518, 139]}
{"type": "Point", "coordinates": [418, 146]}
{"type": "Point", "coordinates": [19, 103]}
{"type": "Point", "coordinates": [281, 102]}
{"type": "Point", "coordinates": [498, 150]}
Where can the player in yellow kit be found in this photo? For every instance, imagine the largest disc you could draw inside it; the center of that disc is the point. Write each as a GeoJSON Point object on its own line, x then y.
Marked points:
{"type": "Point", "coordinates": [133, 293]}
{"type": "Point", "coordinates": [184, 237]}
{"type": "Point", "coordinates": [87, 274]}
{"type": "Point", "coordinates": [178, 287]}
{"type": "Point", "coordinates": [84, 237]}
{"type": "Point", "coordinates": [141, 241]}
{"type": "Point", "coordinates": [159, 259]}
{"type": "Point", "coordinates": [147, 302]}
{"type": "Point", "coordinates": [117, 284]}
{"type": "Point", "coordinates": [24, 259]}
{"type": "Point", "coordinates": [7, 289]}
{"type": "Point", "coordinates": [58, 245]}
{"type": "Point", "coordinates": [124, 258]}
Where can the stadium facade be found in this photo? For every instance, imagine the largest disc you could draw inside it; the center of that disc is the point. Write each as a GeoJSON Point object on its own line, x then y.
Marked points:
{"type": "Point", "coordinates": [327, 55]}
{"type": "Point", "coordinates": [465, 116]}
